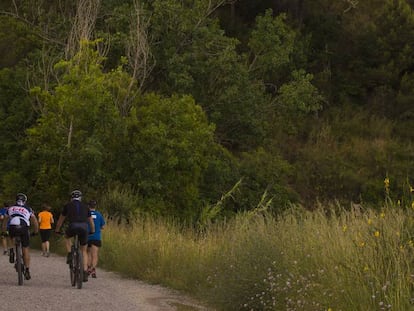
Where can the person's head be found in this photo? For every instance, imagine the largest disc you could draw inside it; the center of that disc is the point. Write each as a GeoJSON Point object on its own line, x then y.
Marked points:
{"type": "Point", "coordinates": [92, 204]}
{"type": "Point", "coordinates": [46, 207]}
{"type": "Point", "coordinates": [76, 195]}
{"type": "Point", "coordinates": [21, 199]}
{"type": "Point", "coordinates": [5, 204]}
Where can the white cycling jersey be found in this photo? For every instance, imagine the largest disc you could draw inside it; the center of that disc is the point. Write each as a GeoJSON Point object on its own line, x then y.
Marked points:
{"type": "Point", "coordinates": [19, 212]}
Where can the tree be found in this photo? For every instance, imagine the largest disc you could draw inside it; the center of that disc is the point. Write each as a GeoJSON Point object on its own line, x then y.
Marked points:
{"type": "Point", "coordinates": [68, 145]}
{"type": "Point", "coordinates": [164, 152]}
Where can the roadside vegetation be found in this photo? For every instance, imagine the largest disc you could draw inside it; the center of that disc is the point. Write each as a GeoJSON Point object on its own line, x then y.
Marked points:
{"type": "Point", "coordinates": [331, 258]}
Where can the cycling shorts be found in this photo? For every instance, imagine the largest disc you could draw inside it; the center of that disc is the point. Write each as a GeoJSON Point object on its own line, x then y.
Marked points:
{"type": "Point", "coordinates": [79, 228]}
{"type": "Point", "coordinates": [21, 230]}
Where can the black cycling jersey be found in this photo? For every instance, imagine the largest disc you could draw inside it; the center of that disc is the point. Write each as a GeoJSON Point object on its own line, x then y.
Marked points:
{"type": "Point", "coordinates": [76, 211]}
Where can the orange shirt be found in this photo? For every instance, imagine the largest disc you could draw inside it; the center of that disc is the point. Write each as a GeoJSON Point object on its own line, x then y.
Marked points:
{"type": "Point", "coordinates": [45, 220]}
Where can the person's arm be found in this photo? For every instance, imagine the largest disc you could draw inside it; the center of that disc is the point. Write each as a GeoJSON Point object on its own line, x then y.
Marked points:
{"type": "Point", "coordinates": [35, 223]}
{"type": "Point", "coordinates": [4, 224]}
{"type": "Point", "coordinates": [52, 220]}
{"type": "Point", "coordinates": [60, 223]}
{"type": "Point", "coordinates": [91, 225]}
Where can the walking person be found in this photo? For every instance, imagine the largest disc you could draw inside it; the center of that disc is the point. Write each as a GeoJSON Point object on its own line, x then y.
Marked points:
{"type": "Point", "coordinates": [79, 216]}
{"type": "Point", "coordinates": [95, 239]}
{"type": "Point", "coordinates": [46, 220]}
{"type": "Point", "coordinates": [3, 212]}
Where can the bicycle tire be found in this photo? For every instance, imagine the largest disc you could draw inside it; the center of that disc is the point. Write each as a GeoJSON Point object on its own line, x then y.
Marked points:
{"type": "Point", "coordinates": [72, 268]}
{"type": "Point", "coordinates": [79, 267]}
{"type": "Point", "coordinates": [19, 262]}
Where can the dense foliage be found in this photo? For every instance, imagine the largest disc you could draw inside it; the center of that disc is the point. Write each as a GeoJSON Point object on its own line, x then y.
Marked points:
{"type": "Point", "coordinates": [175, 103]}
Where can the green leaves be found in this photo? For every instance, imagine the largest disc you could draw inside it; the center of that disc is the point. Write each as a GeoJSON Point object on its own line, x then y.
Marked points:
{"type": "Point", "coordinates": [167, 143]}
{"type": "Point", "coordinates": [271, 43]}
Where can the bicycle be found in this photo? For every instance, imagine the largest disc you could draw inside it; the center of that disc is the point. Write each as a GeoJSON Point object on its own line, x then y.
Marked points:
{"type": "Point", "coordinates": [18, 260]}
{"type": "Point", "coordinates": [76, 265]}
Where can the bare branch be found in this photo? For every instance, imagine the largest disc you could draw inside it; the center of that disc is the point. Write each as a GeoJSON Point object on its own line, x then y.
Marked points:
{"type": "Point", "coordinates": [138, 51]}
{"type": "Point", "coordinates": [352, 5]}
{"type": "Point", "coordinates": [83, 25]}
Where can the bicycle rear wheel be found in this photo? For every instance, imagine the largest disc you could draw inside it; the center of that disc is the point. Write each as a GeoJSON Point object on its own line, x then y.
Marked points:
{"type": "Point", "coordinates": [72, 268]}
{"type": "Point", "coordinates": [79, 269]}
{"type": "Point", "coordinates": [19, 263]}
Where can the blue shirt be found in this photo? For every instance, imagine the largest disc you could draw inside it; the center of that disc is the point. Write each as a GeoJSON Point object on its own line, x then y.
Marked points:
{"type": "Point", "coordinates": [3, 211]}
{"type": "Point", "coordinates": [99, 222]}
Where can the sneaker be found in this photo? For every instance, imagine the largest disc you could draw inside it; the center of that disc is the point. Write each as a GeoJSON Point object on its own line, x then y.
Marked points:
{"type": "Point", "coordinates": [69, 258]}
{"type": "Point", "coordinates": [89, 270]}
{"type": "Point", "coordinates": [85, 276]}
{"type": "Point", "coordinates": [27, 274]}
{"type": "Point", "coordinates": [93, 273]}
{"type": "Point", "coordinates": [11, 255]}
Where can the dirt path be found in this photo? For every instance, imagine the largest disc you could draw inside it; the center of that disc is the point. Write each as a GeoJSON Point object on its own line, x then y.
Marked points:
{"type": "Point", "coordinates": [49, 289]}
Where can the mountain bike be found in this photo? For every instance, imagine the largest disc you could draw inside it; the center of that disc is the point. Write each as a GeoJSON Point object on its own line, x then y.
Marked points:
{"type": "Point", "coordinates": [76, 265]}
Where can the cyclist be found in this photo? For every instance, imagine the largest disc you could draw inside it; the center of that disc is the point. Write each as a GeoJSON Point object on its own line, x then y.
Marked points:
{"type": "Point", "coordinates": [45, 224]}
{"type": "Point", "coordinates": [19, 217]}
{"type": "Point", "coordinates": [3, 212]}
{"type": "Point", "coordinates": [78, 215]}
{"type": "Point", "coordinates": [94, 240]}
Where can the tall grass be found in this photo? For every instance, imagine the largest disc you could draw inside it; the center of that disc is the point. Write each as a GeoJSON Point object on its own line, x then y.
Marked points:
{"type": "Point", "coordinates": [299, 261]}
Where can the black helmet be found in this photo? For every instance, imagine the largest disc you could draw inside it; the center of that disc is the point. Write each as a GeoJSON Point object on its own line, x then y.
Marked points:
{"type": "Point", "coordinates": [92, 203]}
{"type": "Point", "coordinates": [76, 194]}
{"type": "Point", "coordinates": [21, 199]}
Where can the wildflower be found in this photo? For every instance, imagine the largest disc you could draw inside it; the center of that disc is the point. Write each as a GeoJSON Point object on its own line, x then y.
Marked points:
{"type": "Point", "coordinates": [382, 215]}
{"type": "Point", "coordinates": [362, 244]}
{"type": "Point", "coordinates": [344, 227]}
{"type": "Point", "coordinates": [411, 189]}
{"type": "Point", "coordinates": [387, 185]}
{"type": "Point", "coordinates": [366, 268]}
{"type": "Point", "coordinates": [412, 204]}
{"type": "Point", "coordinates": [410, 243]}
{"type": "Point", "coordinates": [398, 202]}
{"type": "Point", "coordinates": [329, 309]}
{"type": "Point", "coordinates": [377, 234]}
{"type": "Point", "coordinates": [369, 221]}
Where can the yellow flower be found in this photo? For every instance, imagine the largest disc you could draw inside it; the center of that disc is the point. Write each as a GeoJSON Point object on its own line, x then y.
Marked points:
{"type": "Point", "coordinates": [412, 204]}
{"type": "Point", "coordinates": [386, 181]}
{"type": "Point", "coordinates": [362, 244]}
{"type": "Point", "coordinates": [398, 202]}
{"type": "Point", "coordinates": [329, 309]}
{"type": "Point", "coordinates": [376, 234]}
{"type": "Point", "coordinates": [382, 215]}
{"type": "Point", "coordinates": [344, 227]}
{"type": "Point", "coordinates": [398, 233]}
{"type": "Point", "coordinates": [370, 221]}
{"type": "Point", "coordinates": [410, 242]}
{"type": "Point", "coordinates": [411, 189]}
{"type": "Point", "coordinates": [366, 268]}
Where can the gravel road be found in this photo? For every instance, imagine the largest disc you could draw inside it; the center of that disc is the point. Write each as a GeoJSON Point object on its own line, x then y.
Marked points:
{"type": "Point", "coordinates": [50, 289]}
